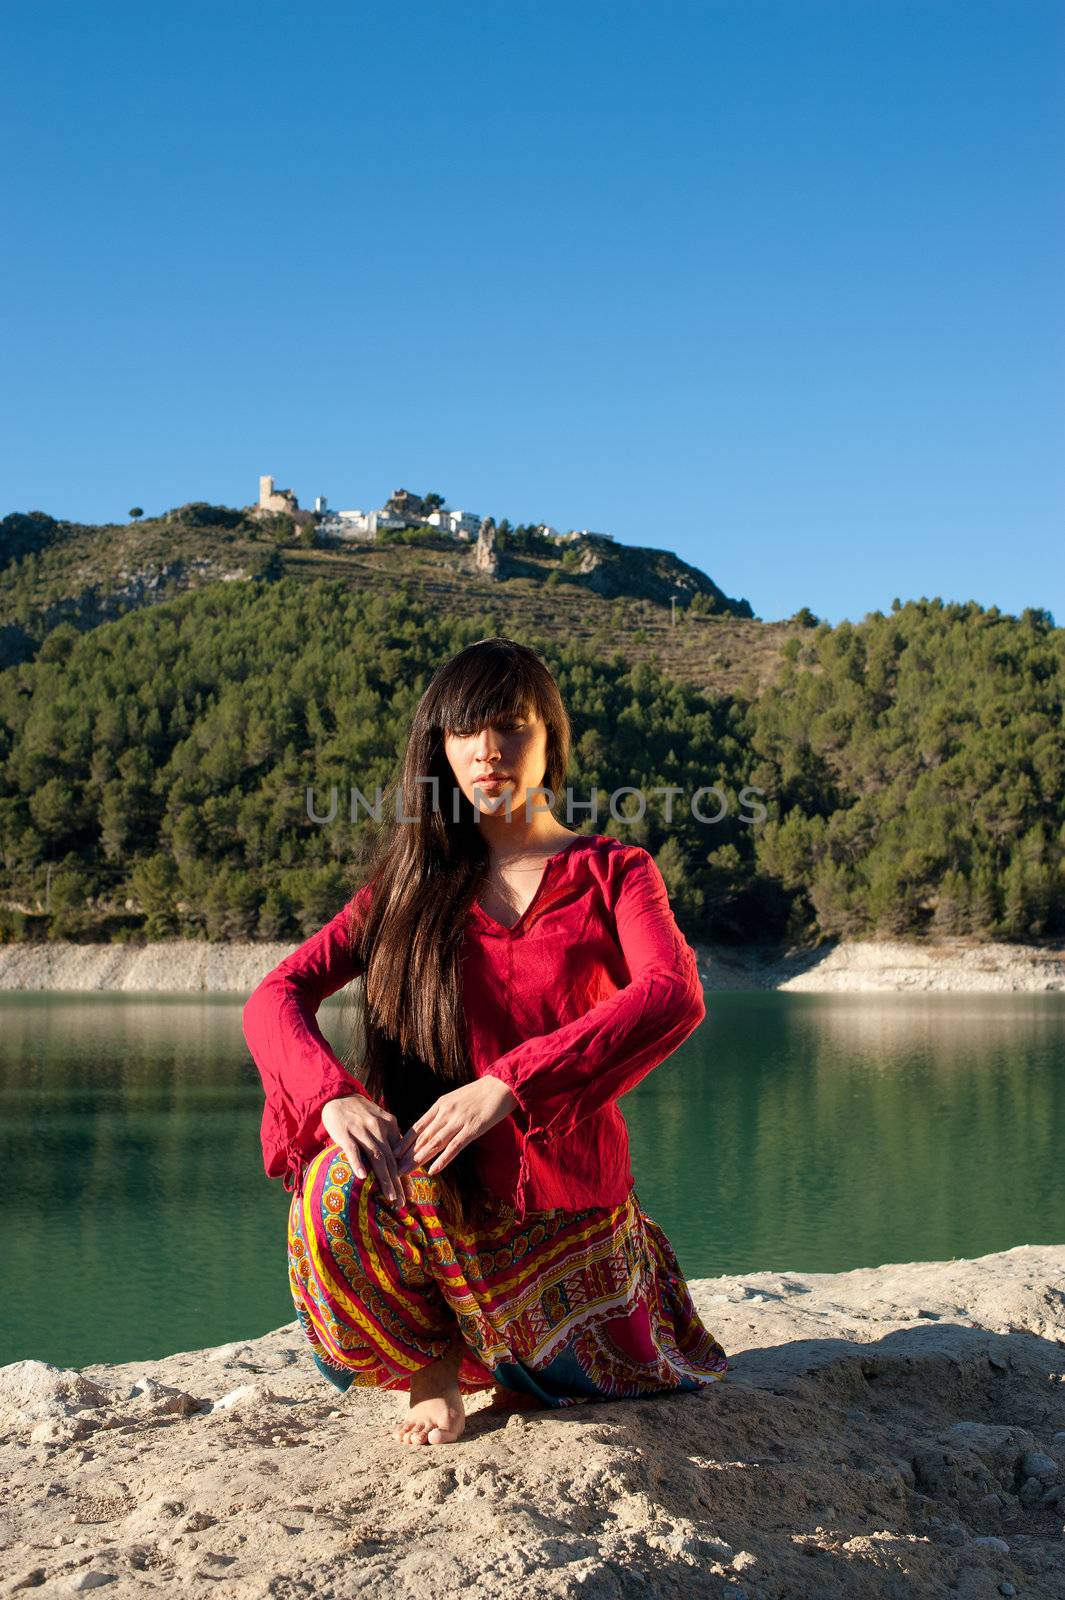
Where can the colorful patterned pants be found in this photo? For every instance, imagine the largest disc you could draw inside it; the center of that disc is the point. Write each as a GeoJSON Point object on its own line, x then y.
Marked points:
{"type": "Point", "coordinates": [564, 1305]}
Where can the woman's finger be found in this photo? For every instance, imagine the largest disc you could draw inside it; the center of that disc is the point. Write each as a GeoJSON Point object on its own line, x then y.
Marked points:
{"type": "Point", "coordinates": [393, 1176]}
{"type": "Point", "coordinates": [420, 1124]}
{"type": "Point", "coordinates": [400, 1149]}
{"type": "Point", "coordinates": [429, 1126]}
{"type": "Point", "coordinates": [448, 1153]}
{"type": "Point", "coordinates": [355, 1156]}
{"type": "Point", "coordinates": [389, 1183]}
{"type": "Point", "coordinates": [411, 1152]}
{"type": "Point", "coordinates": [392, 1186]}
{"type": "Point", "coordinates": [393, 1133]}
{"type": "Point", "coordinates": [426, 1134]}
{"type": "Point", "coordinates": [431, 1140]}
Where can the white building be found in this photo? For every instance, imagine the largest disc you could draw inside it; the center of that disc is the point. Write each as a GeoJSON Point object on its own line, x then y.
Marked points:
{"type": "Point", "coordinates": [460, 524]}
{"type": "Point", "coordinates": [358, 524]}
{"type": "Point", "coordinates": [466, 525]}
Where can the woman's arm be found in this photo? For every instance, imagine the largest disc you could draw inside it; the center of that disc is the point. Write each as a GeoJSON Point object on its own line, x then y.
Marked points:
{"type": "Point", "coordinates": [559, 1078]}
{"type": "Point", "coordinates": [299, 1070]}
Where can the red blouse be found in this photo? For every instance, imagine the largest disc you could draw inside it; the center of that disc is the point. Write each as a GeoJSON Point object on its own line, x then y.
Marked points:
{"type": "Point", "coordinates": [592, 987]}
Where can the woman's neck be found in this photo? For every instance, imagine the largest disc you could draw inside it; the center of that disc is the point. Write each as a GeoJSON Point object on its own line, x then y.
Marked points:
{"type": "Point", "coordinates": [520, 843]}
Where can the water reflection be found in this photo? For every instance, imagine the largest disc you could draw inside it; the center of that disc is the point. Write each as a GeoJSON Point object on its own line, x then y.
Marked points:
{"type": "Point", "coordinates": [816, 1132]}
{"type": "Point", "coordinates": [821, 1132]}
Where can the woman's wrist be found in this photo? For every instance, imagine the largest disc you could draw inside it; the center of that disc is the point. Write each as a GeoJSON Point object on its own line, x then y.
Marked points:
{"type": "Point", "coordinates": [510, 1099]}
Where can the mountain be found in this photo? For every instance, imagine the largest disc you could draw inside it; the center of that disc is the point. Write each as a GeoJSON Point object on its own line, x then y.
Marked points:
{"type": "Point", "coordinates": [900, 776]}
{"type": "Point", "coordinates": [53, 571]}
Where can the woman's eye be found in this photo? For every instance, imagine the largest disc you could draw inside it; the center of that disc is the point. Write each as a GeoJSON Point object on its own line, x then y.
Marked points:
{"type": "Point", "coordinates": [470, 733]}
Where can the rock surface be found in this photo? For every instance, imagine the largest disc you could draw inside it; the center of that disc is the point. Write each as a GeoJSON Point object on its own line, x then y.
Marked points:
{"type": "Point", "coordinates": [954, 966]}
{"type": "Point", "coordinates": [874, 1437]}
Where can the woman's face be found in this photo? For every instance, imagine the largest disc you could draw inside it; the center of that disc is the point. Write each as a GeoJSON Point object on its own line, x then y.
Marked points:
{"type": "Point", "coordinates": [515, 749]}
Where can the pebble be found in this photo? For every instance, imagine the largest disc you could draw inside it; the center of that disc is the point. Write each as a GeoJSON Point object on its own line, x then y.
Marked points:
{"type": "Point", "coordinates": [163, 1396]}
{"type": "Point", "coordinates": [62, 1430]}
{"type": "Point", "coordinates": [90, 1578]}
{"type": "Point", "coordinates": [1006, 1589]}
{"type": "Point", "coordinates": [240, 1396]}
{"type": "Point", "coordinates": [1037, 1464]}
{"type": "Point", "coordinates": [991, 1541]}
{"type": "Point", "coordinates": [1031, 1492]}
{"type": "Point", "coordinates": [197, 1522]}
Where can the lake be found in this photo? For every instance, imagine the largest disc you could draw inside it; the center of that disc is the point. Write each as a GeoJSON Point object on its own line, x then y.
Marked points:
{"type": "Point", "coordinates": [793, 1131]}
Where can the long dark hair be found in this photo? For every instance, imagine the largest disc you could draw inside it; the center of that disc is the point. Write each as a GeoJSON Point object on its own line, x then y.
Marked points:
{"type": "Point", "coordinates": [427, 872]}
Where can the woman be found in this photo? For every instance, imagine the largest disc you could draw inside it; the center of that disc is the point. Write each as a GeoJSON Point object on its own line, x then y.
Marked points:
{"type": "Point", "coordinates": [464, 1215]}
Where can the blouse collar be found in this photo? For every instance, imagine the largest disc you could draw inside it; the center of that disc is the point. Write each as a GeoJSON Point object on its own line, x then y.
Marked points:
{"type": "Point", "coordinates": [551, 867]}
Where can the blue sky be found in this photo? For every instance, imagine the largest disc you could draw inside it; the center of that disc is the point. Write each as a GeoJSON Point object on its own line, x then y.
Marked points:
{"type": "Point", "coordinates": [775, 284]}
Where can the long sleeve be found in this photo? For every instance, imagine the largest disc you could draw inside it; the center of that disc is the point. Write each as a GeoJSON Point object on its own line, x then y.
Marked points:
{"type": "Point", "coordinates": [299, 1070]}
{"type": "Point", "coordinates": [559, 1078]}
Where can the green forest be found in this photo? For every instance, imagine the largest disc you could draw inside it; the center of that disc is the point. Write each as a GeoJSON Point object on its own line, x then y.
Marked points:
{"type": "Point", "coordinates": [155, 768]}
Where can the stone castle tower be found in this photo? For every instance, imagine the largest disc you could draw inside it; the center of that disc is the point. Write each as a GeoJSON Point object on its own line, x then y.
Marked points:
{"type": "Point", "coordinates": [271, 499]}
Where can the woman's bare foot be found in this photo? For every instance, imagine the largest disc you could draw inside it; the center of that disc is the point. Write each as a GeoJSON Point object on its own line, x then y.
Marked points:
{"type": "Point", "coordinates": [436, 1415]}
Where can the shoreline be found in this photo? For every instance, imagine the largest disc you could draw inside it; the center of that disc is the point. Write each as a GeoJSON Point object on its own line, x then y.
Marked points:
{"type": "Point", "coordinates": [885, 1431]}
{"type": "Point", "coordinates": [188, 966]}
{"type": "Point", "coordinates": [945, 966]}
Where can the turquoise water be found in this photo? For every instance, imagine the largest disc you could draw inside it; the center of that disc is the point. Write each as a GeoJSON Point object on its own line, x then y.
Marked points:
{"type": "Point", "coordinates": [810, 1132]}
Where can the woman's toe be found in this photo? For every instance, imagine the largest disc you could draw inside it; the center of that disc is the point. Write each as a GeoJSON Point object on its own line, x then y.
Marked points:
{"type": "Point", "coordinates": [448, 1435]}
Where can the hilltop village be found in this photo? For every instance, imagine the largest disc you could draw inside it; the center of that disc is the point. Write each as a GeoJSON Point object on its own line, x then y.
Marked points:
{"type": "Point", "coordinates": [403, 509]}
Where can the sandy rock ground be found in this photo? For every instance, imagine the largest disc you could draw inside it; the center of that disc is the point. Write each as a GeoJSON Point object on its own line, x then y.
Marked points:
{"type": "Point", "coordinates": [893, 1431]}
{"type": "Point", "coordinates": [187, 965]}
{"type": "Point", "coordinates": [166, 966]}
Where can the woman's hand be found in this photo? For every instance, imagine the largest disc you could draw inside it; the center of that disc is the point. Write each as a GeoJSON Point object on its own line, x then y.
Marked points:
{"type": "Point", "coordinates": [368, 1135]}
{"type": "Point", "coordinates": [453, 1122]}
